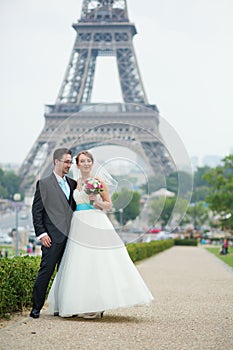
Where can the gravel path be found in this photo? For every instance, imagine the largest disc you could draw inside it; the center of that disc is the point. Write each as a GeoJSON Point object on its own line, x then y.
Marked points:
{"type": "Point", "coordinates": [193, 309]}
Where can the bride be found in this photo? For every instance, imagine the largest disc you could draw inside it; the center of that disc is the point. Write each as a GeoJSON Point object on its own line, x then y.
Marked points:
{"type": "Point", "coordinates": [96, 272]}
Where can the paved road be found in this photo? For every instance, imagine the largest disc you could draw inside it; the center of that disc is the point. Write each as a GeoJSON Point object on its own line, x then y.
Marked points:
{"type": "Point", "coordinates": [193, 309]}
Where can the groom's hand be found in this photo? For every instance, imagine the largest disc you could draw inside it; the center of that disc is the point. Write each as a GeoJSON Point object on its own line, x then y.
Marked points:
{"type": "Point", "coordinates": [46, 241]}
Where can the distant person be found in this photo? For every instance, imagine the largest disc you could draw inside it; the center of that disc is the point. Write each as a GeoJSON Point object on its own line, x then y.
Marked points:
{"type": "Point", "coordinates": [29, 248]}
{"type": "Point", "coordinates": [225, 246]}
{"type": "Point", "coordinates": [1, 255]}
{"type": "Point", "coordinates": [34, 248]}
{"type": "Point", "coordinates": [52, 210]}
{"type": "Point", "coordinates": [6, 253]}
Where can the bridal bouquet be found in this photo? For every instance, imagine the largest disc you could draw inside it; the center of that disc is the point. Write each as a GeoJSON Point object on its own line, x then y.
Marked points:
{"type": "Point", "coordinates": [93, 185]}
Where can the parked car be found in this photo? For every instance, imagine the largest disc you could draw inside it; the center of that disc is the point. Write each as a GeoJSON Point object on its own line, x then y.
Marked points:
{"type": "Point", "coordinates": [32, 239]}
{"type": "Point", "coordinates": [5, 239]}
{"type": "Point", "coordinates": [163, 235]}
{"type": "Point", "coordinates": [154, 230]}
{"type": "Point", "coordinates": [136, 230]}
{"type": "Point", "coordinates": [23, 215]}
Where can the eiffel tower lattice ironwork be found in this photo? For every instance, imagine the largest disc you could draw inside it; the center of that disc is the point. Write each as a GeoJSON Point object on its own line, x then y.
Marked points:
{"type": "Point", "coordinates": [73, 121]}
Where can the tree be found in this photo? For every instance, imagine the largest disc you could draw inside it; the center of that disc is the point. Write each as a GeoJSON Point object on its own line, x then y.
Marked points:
{"type": "Point", "coordinates": [220, 197]}
{"type": "Point", "coordinates": [167, 211]}
{"type": "Point", "coordinates": [171, 182]}
{"type": "Point", "coordinates": [197, 214]}
{"type": "Point", "coordinates": [199, 181]}
{"type": "Point", "coordinates": [181, 182]}
{"type": "Point", "coordinates": [129, 201]}
{"type": "Point", "coordinates": [154, 183]}
{"type": "Point", "coordinates": [200, 185]}
{"type": "Point", "coordinates": [161, 210]}
{"type": "Point", "coordinates": [9, 184]}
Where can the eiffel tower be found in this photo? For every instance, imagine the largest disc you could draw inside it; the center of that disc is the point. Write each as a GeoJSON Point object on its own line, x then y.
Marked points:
{"type": "Point", "coordinates": [73, 121]}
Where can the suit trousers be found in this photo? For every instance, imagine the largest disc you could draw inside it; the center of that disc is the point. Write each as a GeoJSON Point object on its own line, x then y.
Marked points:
{"type": "Point", "coordinates": [50, 258]}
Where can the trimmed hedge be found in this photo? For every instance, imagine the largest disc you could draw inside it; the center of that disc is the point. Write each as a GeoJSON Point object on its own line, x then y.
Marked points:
{"type": "Point", "coordinates": [186, 241]}
{"type": "Point", "coordinates": [140, 251]}
{"type": "Point", "coordinates": [18, 274]}
{"type": "Point", "coordinates": [17, 277]}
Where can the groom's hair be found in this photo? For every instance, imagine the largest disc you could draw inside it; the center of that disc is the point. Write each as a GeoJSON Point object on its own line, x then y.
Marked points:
{"type": "Point", "coordinates": [59, 153]}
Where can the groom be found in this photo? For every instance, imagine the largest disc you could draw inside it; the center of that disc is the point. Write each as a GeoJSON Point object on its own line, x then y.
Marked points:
{"type": "Point", "coordinates": [52, 210]}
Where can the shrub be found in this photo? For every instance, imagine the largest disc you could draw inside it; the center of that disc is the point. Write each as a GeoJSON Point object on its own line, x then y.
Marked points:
{"type": "Point", "coordinates": [17, 277]}
{"type": "Point", "coordinates": [186, 241]}
{"type": "Point", "coordinates": [140, 251]}
{"type": "Point", "coordinates": [18, 274]}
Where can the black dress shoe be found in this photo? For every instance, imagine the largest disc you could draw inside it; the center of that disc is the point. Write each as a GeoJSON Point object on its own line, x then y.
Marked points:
{"type": "Point", "coordinates": [56, 313]}
{"type": "Point", "coordinates": [35, 313]}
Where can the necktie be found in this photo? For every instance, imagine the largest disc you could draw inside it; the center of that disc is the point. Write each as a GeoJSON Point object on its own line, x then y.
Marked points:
{"type": "Point", "coordinates": [62, 184]}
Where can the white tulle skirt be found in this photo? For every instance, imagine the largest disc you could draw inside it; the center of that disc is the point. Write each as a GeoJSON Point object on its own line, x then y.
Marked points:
{"type": "Point", "coordinates": [96, 272]}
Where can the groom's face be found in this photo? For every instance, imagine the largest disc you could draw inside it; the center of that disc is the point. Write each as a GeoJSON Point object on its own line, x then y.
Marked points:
{"type": "Point", "coordinates": [62, 165]}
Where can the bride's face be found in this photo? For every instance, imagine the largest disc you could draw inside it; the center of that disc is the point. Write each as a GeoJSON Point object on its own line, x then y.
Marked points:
{"type": "Point", "coordinates": [85, 164]}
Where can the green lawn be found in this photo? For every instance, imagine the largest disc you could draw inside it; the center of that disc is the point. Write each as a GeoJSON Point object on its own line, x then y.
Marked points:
{"type": "Point", "coordinates": [11, 250]}
{"type": "Point", "coordinates": [228, 259]}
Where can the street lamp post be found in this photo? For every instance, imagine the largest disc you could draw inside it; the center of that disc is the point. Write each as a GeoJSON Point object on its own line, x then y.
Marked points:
{"type": "Point", "coordinates": [17, 198]}
{"type": "Point", "coordinates": [121, 216]}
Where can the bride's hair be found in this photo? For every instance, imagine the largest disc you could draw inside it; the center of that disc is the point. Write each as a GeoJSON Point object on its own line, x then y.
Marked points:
{"type": "Point", "coordinates": [86, 153]}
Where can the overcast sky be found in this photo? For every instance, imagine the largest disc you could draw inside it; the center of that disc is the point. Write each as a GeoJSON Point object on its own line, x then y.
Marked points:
{"type": "Point", "coordinates": [185, 55]}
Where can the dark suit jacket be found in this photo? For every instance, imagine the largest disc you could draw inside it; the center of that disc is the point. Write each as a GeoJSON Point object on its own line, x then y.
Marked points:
{"type": "Point", "coordinates": [51, 211]}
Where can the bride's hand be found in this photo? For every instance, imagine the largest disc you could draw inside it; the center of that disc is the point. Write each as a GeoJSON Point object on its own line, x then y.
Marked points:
{"type": "Point", "coordinates": [103, 204]}
{"type": "Point", "coordinates": [92, 197]}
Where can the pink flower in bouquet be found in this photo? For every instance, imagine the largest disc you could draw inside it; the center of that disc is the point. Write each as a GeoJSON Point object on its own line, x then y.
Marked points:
{"type": "Point", "coordinates": [93, 185]}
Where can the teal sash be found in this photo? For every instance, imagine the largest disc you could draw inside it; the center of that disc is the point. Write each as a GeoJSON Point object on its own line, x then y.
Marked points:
{"type": "Point", "coordinates": [84, 206]}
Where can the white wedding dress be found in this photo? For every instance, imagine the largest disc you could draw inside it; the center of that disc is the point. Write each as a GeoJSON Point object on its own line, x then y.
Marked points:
{"type": "Point", "coordinates": [96, 272]}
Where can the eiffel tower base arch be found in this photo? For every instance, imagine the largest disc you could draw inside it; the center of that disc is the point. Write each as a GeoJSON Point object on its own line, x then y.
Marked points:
{"type": "Point", "coordinates": [128, 125]}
